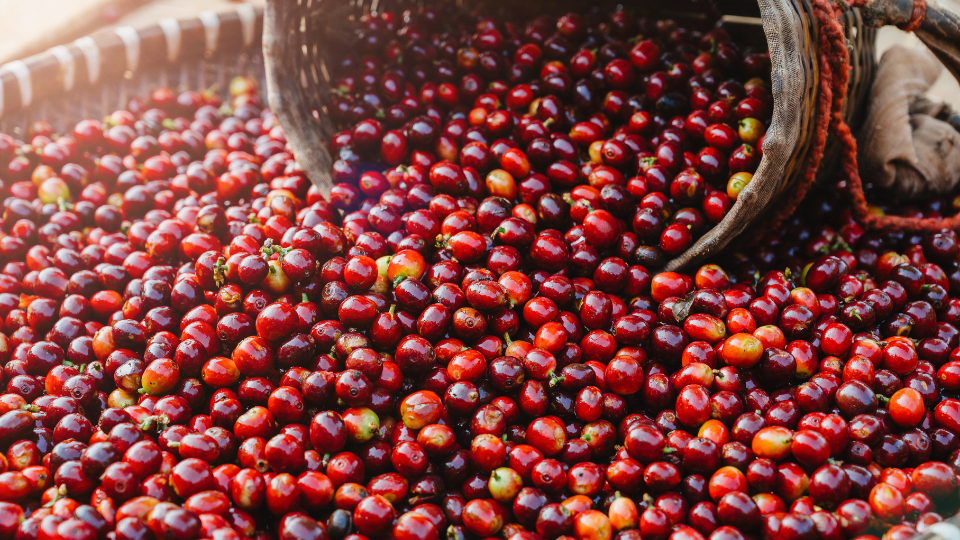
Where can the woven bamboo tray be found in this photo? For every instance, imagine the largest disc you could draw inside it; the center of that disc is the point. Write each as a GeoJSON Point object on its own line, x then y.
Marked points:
{"type": "Point", "coordinates": [95, 75]}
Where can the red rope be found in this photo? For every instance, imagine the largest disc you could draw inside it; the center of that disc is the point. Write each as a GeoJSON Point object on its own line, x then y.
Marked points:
{"type": "Point", "coordinates": [827, 102]}
{"type": "Point", "coordinates": [834, 74]}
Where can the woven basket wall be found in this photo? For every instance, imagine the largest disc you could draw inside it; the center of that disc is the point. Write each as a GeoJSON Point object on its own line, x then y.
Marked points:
{"type": "Point", "coordinates": [96, 75]}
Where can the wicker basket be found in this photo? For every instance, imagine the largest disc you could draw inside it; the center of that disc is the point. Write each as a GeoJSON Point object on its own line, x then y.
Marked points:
{"type": "Point", "coordinates": [98, 74]}
{"type": "Point", "coordinates": [301, 38]}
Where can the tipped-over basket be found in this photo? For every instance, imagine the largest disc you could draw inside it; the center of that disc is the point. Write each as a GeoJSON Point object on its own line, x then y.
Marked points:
{"type": "Point", "coordinates": [822, 56]}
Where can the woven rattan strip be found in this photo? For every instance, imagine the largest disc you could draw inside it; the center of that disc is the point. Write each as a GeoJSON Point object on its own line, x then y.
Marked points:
{"type": "Point", "coordinates": [98, 74]}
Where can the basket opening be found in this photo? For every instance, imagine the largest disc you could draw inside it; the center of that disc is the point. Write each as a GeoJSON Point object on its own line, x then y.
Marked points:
{"type": "Point", "coordinates": [327, 28]}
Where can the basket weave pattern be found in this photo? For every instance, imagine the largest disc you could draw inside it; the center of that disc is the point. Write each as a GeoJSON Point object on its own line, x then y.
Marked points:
{"type": "Point", "coordinates": [96, 75]}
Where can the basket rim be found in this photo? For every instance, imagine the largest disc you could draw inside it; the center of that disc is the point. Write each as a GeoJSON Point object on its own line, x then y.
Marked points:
{"type": "Point", "coordinates": [786, 50]}
{"type": "Point", "coordinates": [122, 52]}
{"type": "Point", "coordinates": [791, 33]}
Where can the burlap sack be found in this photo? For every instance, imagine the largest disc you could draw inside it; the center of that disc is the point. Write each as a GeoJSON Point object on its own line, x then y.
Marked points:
{"type": "Point", "coordinates": [904, 145]}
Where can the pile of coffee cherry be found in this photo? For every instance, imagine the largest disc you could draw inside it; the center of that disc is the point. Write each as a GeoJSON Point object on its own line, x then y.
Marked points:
{"type": "Point", "coordinates": [471, 337]}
